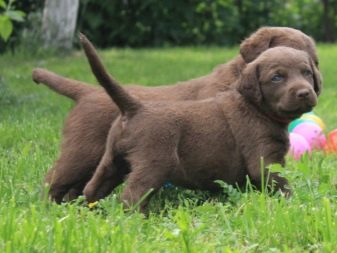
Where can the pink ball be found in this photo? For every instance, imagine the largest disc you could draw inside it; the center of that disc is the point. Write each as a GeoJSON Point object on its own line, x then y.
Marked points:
{"type": "Point", "coordinates": [312, 133]}
{"type": "Point", "coordinates": [298, 145]}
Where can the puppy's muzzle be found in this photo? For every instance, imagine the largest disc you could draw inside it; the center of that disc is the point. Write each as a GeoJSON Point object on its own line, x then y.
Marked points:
{"type": "Point", "coordinates": [303, 94]}
{"type": "Point", "coordinates": [300, 99]}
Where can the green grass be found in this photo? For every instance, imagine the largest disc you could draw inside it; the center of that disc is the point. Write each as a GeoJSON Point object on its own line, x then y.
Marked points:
{"type": "Point", "coordinates": [31, 119]}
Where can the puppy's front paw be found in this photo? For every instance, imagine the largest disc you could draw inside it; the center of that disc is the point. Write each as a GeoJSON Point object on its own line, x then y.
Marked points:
{"type": "Point", "coordinates": [286, 192]}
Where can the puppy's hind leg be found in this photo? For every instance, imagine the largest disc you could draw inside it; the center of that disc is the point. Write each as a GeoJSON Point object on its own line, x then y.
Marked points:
{"type": "Point", "coordinates": [107, 176]}
{"type": "Point", "coordinates": [147, 176]}
{"type": "Point", "coordinates": [138, 190]}
{"type": "Point", "coordinates": [66, 174]}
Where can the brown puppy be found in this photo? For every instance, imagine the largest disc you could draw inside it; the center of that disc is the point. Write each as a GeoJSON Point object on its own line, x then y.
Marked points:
{"type": "Point", "coordinates": [193, 143]}
{"type": "Point", "coordinates": [87, 125]}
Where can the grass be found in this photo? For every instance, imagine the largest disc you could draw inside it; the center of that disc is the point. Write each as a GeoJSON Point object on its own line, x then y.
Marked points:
{"type": "Point", "coordinates": [31, 119]}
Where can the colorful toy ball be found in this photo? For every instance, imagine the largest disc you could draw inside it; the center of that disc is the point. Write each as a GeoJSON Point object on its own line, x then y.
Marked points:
{"type": "Point", "coordinates": [312, 133]}
{"type": "Point", "coordinates": [298, 145]}
{"type": "Point", "coordinates": [297, 122]}
{"type": "Point", "coordinates": [314, 118]}
{"type": "Point", "coordinates": [331, 144]}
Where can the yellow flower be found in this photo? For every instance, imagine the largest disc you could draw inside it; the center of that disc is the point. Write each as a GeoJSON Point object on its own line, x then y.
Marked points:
{"type": "Point", "coordinates": [93, 204]}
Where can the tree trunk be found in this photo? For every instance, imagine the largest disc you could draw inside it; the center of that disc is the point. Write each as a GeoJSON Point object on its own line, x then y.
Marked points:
{"type": "Point", "coordinates": [329, 36]}
{"type": "Point", "coordinates": [59, 23]}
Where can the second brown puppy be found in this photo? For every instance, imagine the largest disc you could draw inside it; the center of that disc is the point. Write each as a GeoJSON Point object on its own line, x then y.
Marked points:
{"type": "Point", "coordinates": [194, 143]}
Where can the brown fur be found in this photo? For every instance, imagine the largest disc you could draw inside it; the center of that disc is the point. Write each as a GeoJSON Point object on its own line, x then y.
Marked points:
{"type": "Point", "coordinates": [87, 125]}
{"type": "Point", "coordinates": [193, 143]}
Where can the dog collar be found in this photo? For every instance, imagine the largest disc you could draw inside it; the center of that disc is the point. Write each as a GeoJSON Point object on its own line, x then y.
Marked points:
{"type": "Point", "coordinates": [278, 119]}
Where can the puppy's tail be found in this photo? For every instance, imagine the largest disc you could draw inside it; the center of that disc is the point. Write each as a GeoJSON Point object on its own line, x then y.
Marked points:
{"type": "Point", "coordinates": [70, 88]}
{"type": "Point", "coordinates": [126, 103]}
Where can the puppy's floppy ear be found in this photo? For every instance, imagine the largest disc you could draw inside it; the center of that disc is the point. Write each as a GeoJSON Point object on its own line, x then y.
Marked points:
{"type": "Point", "coordinates": [249, 84]}
{"type": "Point", "coordinates": [256, 43]}
{"type": "Point", "coordinates": [311, 49]}
{"type": "Point", "coordinates": [317, 77]}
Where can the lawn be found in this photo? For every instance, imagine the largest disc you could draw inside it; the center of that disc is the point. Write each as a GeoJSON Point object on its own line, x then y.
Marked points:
{"type": "Point", "coordinates": [31, 119]}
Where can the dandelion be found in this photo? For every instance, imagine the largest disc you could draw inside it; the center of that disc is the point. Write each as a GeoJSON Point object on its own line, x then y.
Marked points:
{"type": "Point", "coordinates": [93, 204]}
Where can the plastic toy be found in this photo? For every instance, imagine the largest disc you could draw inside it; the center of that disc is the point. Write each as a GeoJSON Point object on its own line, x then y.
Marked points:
{"type": "Point", "coordinates": [331, 143]}
{"type": "Point", "coordinates": [297, 122]}
{"type": "Point", "coordinates": [298, 145]}
{"type": "Point", "coordinates": [311, 128]}
{"type": "Point", "coordinates": [316, 119]}
{"type": "Point", "coordinates": [312, 133]}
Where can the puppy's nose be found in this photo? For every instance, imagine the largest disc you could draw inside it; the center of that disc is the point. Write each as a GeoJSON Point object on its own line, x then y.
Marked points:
{"type": "Point", "coordinates": [302, 93]}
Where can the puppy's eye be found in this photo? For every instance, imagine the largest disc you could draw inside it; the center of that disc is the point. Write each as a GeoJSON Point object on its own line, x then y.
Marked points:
{"type": "Point", "coordinates": [277, 78]}
{"type": "Point", "coordinates": [307, 73]}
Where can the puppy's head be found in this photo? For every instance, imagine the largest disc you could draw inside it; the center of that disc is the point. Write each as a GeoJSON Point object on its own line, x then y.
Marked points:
{"type": "Point", "coordinates": [283, 82]}
{"type": "Point", "coordinates": [269, 37]}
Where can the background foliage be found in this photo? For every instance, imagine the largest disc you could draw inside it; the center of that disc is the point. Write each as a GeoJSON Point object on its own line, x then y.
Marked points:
{"type": "Point", "coordinates": [146, 23]}
{"type": "Point", "coordinates": [6, 17]}
{"type": "Point", "coordinates": [24, 33]}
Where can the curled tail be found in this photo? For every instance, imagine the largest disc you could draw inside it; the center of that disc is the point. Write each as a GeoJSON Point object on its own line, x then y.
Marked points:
{"type": "Point", "coordinates": [126, 103]}
{"type": "Point", "coordinates": [70, 88]}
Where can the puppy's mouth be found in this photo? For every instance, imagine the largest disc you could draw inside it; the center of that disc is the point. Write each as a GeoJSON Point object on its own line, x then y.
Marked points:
{"type": "Point", "coordinates": [295, 113]}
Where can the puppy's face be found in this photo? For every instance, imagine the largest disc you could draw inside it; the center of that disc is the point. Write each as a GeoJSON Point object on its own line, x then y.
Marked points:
{"type": "Point", "coordinates": [283, 82]}
{"type": "Point", "coordinates": [269, 37]}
